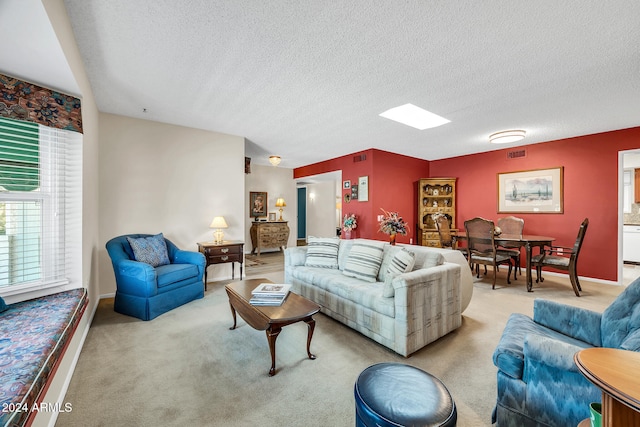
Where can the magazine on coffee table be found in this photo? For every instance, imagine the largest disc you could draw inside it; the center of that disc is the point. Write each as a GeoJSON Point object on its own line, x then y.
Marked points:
{"type": "Point", "coordinates": [267, 301]}
{"type": "Point", "coordinates": [271, 290]}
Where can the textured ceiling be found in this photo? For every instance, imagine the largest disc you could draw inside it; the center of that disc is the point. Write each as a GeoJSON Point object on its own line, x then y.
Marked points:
{"type": "Point", "coordinates": [307, 79]}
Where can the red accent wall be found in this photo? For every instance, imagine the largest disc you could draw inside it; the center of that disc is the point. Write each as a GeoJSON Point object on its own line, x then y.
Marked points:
{"type": "Point", "coordinates": [392, 186]}
{"type": "Point", "coordinates": [590, 191]}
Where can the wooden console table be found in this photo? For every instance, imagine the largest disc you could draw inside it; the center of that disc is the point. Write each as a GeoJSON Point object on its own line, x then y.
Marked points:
{"type": "Point", "coordinates": [220, 253]}
{"type": "Point", "coordinates": [613, 371]}
{"type": "Point", "coordinates": [269, 234]}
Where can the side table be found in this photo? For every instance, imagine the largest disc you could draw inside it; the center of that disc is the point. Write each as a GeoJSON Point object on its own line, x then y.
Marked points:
{"type": "Point", "coordinates": [220, 253]}
{"type": "Point", "coordinates": [613, 371]}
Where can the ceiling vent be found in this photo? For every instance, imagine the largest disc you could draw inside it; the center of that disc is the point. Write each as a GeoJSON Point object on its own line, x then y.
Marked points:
{"type": "Point", "coordinates": [359, 158]}
{"type": "Point", "coordinates": [516, 154]}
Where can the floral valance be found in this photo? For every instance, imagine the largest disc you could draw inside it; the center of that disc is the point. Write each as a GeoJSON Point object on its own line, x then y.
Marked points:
{"type": "Point", "coordinates": [29, 102]}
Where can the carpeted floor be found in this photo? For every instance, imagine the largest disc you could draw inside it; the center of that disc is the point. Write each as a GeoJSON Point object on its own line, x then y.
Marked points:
{"type": "Point", "coordinates": [187, 368]}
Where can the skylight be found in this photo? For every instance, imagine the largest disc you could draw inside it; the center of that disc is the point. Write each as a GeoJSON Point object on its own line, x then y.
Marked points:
{"type": "Point", "coordinates": [410, 115]}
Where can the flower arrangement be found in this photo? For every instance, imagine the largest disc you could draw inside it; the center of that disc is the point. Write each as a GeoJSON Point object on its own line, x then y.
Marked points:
{"type": "Point", "coordinates": [349, 223]}
{"type": "Point", "coordinates": [392, 223]}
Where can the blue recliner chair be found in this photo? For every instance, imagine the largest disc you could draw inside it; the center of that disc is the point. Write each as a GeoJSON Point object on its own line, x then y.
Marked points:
{"type": "Point", "coordinates": [538, 381]}
{"type": "Point", "coordinates": [144, 291]}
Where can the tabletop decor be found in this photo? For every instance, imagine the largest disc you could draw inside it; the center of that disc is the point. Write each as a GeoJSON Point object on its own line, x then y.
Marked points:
{"type": "Point", "coordinates": [349, 224]}
{"type": "Point", "coordinates": [392, 224]}
{"type": "Point", "coordinates": [532, 191]}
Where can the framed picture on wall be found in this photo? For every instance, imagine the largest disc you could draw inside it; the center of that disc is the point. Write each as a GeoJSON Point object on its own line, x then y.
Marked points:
{"type": "Point", "coordinates": [531, 191]}
{"type": "Point", "coordinates": [346, 184]}
{"type": "Point", "coordinates": [257, 204]}
{"type": "Point", "coordinates": [363, 188]}
{"type": "Point", "coordinates": [354, 192]}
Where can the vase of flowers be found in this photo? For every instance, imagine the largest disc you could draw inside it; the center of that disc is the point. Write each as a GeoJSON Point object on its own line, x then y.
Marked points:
{"type": "Point", "coordinates": [393, 224]}
{"type": "Point", "coordinates": [349, 223]}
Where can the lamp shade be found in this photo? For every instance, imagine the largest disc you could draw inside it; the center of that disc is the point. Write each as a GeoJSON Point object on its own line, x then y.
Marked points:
{"type": "Point", "coordinates": [218, 222]}
{"type": "Point", "coordinates": [280, 202]}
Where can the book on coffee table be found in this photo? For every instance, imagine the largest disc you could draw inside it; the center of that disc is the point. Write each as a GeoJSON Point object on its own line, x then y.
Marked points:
{"type": "Point", "coordinates": [271, 290]}
{"type": "Point", "coordinates": [269, 300]}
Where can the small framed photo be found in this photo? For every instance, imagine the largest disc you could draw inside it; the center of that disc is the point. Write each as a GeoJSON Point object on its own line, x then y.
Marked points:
{"type": "Point", "coordinates": [272, 216]}
{"type": "Point", "coordinates": [346, 185]}
{"type": "Point", "coordinates": [354, 192]}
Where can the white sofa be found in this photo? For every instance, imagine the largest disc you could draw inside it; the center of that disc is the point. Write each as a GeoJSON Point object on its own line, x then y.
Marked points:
{"type": "Point", "coordinates": [402, 311]}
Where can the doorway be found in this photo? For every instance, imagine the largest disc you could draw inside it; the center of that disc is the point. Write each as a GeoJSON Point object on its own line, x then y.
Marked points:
{"type": "Point", "coordinates": [629, 218]}
{"type": "Point", "coordinates": [302, 215]}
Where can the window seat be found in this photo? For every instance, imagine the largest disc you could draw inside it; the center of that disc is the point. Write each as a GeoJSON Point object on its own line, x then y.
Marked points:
{"type": "Point", "coordinates": [34, 335]}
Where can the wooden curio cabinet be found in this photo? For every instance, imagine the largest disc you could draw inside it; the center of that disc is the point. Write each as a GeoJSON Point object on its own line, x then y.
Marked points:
{"type": "Point", "coordinates": [435, 195]}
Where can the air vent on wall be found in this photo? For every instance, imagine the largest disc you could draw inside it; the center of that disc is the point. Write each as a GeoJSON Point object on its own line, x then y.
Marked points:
{"type": "Point", "coordinates": [359, 158]}
{"type": "Point", "coordinates": [516, 154]}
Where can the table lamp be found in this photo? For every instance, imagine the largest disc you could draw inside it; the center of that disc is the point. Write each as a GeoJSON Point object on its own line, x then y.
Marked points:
{"type": "Point", "coordinates": [280, 204]}
{"type": "Point", "coordinates": [218, 223]}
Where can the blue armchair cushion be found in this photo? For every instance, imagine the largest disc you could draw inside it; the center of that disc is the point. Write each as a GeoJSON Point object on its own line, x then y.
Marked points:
{"type": "Point", "coordinates": [151, 250]}
{"type": "Point", "coordinates": [172, 273]}
{"type": "Point", "coordinates": [509, 354]}
{"type": "Point", "coordinates": [3, 305]}
{"type": "Point", "coordinates": [621, 320]}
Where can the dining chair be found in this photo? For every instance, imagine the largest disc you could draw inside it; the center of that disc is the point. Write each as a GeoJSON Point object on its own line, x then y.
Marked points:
{"type": "Point", "coordinates": [481, 247]}
{"type": "Point", "coordinates": [562, 258]}
{"type": "Point", "coordinates": [511, 226]}
{"type": "Point", "coordinates": [448, 239]}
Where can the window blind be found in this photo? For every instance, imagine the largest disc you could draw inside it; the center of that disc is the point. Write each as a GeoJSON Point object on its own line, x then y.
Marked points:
{"type": "Point", "coordinates": [40, 206]}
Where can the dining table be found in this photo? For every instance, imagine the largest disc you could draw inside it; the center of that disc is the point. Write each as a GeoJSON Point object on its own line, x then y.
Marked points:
{"type": "Point", "coordinates": [529, 241]}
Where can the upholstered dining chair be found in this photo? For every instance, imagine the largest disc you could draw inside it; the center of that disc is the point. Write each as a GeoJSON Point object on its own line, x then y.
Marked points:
{"type": "Point", "coordinates": [562, 258]}
{"type": "Point", "coordinates": [481, 247]}
{"type": "Point", "coordinates": [447, 239]}
{"type": "Point", "coordinates": [511, 226]}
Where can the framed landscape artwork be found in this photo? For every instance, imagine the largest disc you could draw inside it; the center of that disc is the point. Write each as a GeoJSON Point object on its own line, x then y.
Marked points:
{"type": "Point", "coordinates": [532, 191]}
{"type": "Point", "coordinates": [257, 204]}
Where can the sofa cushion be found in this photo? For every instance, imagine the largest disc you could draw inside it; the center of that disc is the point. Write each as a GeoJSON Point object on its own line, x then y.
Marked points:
{"type": "Point", "coordinates": [151, 250]}
{"type": "Point", "coordinates": [388, 253]}
{"type": "Point", "coordinates": [322, 252]}
{"type": "Point", "coordinates": [427, 258]}
{"type": "Point", "coordinates": [364, 260]}
{"type": "Point", "coordinates": [172, 273]}
{"type": "Point", "coordinates": [337, 285]}
{"type": "Point", "coordinates": [3, 305]}
{"type": "Point", "coordinates": [402, 262]}
{"type": "Point", "coordinates": [343, 252]}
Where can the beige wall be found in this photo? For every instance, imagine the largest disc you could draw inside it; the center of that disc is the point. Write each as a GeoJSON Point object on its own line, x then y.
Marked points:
{"type": "Point", "coordinates": [321, 209]}
{"type": "Point", "coordinates": [58, 16]}
{"type": "Point", "coordinates": [155, 177]}
{"type": "Point", "coordinates": [277, 182]}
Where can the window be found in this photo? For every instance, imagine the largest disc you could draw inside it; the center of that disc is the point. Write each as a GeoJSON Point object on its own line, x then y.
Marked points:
{"type": "Point", "coordinates": [40, 207]}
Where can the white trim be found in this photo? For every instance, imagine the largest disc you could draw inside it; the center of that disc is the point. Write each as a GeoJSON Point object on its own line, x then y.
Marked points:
{"type": "Point", "coordinates": [584, 278]}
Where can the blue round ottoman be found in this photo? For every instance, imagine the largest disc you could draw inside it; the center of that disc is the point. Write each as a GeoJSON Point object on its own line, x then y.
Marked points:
{"type": "Point", "coordinates": [394, 394]}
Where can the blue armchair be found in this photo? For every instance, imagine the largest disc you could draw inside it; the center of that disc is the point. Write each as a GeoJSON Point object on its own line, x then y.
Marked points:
{"type": "Point", "coordinates": [144, 291]}
{"type": "Point", "coordinates": [538, 381]}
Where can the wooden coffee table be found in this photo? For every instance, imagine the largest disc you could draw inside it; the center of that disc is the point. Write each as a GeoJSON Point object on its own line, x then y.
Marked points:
{"type": "Point", "coordinates": [271, 319]}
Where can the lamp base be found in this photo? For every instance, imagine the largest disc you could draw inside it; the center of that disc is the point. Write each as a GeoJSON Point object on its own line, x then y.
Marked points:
{"type": "Point", "coordinates": [218, 235]}
{"type": "Point", "coordinates": [280, 215]}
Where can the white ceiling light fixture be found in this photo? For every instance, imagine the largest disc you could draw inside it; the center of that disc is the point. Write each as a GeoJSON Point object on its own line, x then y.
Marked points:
{"type": "Point", "coordinates": [506, 136]}
{"type": "Point", "coordinates": [416, 117]}
{"type": "Point", "coordinates": [275, 160]}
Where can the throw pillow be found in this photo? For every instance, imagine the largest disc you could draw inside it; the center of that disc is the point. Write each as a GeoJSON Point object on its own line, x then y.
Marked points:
{"type": "Point", "coordinates": [151, 250]}
{"type": "Point", "coordinates": [364, 260]}
{"type": "Point", "coordinates": [322, 252]}
{"type": "Point", "coordinates": [402, 262]}
{"type": "Point", "coordinates": [3, 305]}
